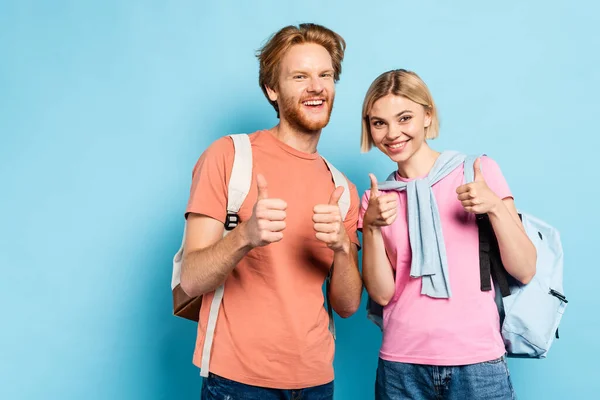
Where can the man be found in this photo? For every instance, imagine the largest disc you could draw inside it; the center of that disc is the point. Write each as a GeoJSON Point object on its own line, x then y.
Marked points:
{"type": "Point", "coordinates": [271, 338]}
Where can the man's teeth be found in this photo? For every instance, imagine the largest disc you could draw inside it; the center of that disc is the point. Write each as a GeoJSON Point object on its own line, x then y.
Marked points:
{"type": "Point", "coordinates": [313, 103]}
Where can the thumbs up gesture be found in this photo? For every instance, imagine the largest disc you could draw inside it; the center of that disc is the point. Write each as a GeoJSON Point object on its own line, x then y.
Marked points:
{"type": "Point", "coordinates": [382, 209]}
{"type": "Point", "coordinates": [328, 223]}
{"type": "Point", "coordinates": [267, 222]}
{"type": "Point", "coordinates": [476, 197]}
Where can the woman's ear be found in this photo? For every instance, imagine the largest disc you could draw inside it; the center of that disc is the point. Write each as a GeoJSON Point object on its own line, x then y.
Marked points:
{"type": "Point", "coordinates": [427, 117]}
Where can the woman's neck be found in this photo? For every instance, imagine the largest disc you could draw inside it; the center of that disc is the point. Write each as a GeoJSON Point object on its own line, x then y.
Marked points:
{"type": "Point", "coordinates": [419, 164]}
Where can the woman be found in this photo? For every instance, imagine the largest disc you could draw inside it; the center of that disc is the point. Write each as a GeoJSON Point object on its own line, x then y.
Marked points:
{"type": "Point", "coordinates": [441, 333]}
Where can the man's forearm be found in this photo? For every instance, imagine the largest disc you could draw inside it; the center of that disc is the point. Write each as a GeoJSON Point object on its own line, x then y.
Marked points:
{"type": "Point", "coordinates": [346, 284]}
{"type": "Point", "coordinates": [206, 269]}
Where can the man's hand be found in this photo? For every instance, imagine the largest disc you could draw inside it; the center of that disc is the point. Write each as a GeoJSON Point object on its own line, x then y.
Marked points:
{"type": "Point", "coordinates": [268, 218]}
{"type": "Point", "coordinates": [328, 223]}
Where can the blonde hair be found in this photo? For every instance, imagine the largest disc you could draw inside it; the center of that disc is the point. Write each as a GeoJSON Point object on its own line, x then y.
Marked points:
{"type": "Point", "coordinates": [398, 82]}
{"type": "Point", "coordinates": [271, 54]}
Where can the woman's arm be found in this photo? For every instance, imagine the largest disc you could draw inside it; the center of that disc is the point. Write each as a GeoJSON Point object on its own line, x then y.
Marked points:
{"type": "Point", "coordinates": [378, 274]}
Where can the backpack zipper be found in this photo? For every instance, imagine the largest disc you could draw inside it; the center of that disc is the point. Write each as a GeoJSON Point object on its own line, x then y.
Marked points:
{"type": "Point", "coordinates": [558, 295]}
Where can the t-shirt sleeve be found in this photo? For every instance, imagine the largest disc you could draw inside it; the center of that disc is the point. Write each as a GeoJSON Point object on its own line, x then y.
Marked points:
{"type": "Point", "coordinates": [364, 203]}
{"type": "Point", "coordinates": [494, 178]}
{"type": "Point", "coordinates": [352, 217]}
{"type": "Point", "coordinates": [210, 178]}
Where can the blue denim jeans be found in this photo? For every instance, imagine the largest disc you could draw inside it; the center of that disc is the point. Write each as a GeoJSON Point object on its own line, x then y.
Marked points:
{"type": "Point", "coordinates": [218, 388]}
{"type": "Point", "coordinates": [483, 381]}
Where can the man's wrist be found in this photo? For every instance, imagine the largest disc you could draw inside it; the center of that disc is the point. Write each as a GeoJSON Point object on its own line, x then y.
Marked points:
{"type": "Point", "coordinates": [243, 236]}
{"type": "Point", "coordinates": [345, 247]}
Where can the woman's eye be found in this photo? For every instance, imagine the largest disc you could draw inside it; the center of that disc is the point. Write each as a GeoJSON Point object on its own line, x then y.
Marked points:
{"type": "Point", "coordinates": [405, 118]}
{"type": "Point", "coordinates": [378, 123]}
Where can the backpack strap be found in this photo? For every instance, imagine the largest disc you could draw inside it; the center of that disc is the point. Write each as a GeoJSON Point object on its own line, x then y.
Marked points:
{"type": "Point", "coordinates": [241, 177]}
{"type": "Point", "coordinates": [490, 263]}
{"type": "Point", "coordinates": [340, 180]}
{"type": "Point", "coordinates": [239, 186]}
{"type": "Point", "coordinates": [344, 204]}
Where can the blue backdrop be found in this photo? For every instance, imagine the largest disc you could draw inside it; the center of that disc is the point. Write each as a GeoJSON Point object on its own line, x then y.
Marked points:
{"type": "Point", "coordinates": [105, 107]}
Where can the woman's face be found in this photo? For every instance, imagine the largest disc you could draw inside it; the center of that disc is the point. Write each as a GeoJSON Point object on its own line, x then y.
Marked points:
{"type": "Point", "coordinates": [397, 126]}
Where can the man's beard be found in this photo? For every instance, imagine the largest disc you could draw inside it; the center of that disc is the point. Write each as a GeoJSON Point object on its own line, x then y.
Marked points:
{"type": "Point", "coordinates": [294, 115]}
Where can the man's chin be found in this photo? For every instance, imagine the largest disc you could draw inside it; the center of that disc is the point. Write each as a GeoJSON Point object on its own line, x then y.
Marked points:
{"type": "Point", "coordinates": [306, 122]}
{"type": "Point", "coordinates": [315, 124]}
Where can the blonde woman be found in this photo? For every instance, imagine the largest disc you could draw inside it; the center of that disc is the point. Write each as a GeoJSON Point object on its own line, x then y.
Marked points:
{"type": "Point", "coordinates": [441, 333]}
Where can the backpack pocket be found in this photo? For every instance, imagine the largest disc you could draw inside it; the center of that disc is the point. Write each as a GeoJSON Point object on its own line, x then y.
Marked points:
{"type": "Point", "coordinates": [533, 313]}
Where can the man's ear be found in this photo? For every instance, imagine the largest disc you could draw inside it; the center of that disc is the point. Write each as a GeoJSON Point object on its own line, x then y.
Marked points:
{"type": "Point", "coordinates": [272, 94]}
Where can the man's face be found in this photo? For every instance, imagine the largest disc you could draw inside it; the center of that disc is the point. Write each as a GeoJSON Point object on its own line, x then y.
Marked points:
{"type": "Point", "coordinates": [306, 87]}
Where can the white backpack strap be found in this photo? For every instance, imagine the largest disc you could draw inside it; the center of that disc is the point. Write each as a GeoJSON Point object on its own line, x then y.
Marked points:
{"type": "Point", "coordinates": [344, 204]}
{"type": "Point", "coordinates": [340, 180]}
{"type": "Point", "coordinates": [239, 186]}
{"type": "Point", "coordinates": [241, 173]}
{"type": "Point", "coordinates": [177, 260]}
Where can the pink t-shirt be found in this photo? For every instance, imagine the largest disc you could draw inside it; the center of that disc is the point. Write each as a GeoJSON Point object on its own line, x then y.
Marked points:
{"type": "Point", "coordinates": [463, 329]}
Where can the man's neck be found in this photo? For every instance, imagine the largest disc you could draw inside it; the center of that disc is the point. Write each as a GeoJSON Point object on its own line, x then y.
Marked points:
{"type": "Point", "coordinates": [298, 139]}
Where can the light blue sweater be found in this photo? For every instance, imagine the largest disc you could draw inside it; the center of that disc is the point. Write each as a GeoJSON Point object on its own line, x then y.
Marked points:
{"type": "Point", "coordinates": [424, 227]}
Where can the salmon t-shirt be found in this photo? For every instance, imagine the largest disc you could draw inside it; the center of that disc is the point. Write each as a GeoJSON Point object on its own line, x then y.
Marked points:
{"type": "Point", "coordinates": [463, 329]}
{"type": "Point", "coordinates": [272, 328]}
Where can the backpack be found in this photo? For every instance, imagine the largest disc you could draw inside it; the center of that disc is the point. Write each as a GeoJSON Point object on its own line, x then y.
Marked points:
{"type": "Point", "coordinates": [529, 314]}
{"type": "Point", "coordinates": [239, 186]}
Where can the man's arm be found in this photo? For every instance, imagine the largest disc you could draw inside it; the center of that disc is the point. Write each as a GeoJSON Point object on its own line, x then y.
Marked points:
{"type": "Point", "coordinates": [346, 283]}
{"type": "Point", "coordinates": [208, 257]}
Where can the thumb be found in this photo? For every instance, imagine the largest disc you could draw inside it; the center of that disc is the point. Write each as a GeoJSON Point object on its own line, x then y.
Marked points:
{"type": "Point", "coordinates": [261, 183]}
{"type": "Point", "coordinates": [478, 177]}
{"type": "Point", "coordinates": [374, 189]}
{"type": "Point", "coordinates": [335, 196]}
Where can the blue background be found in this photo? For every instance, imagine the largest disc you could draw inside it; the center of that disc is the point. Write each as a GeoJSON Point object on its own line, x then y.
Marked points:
{"type": "Point", "coordinates": [105, 107]}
